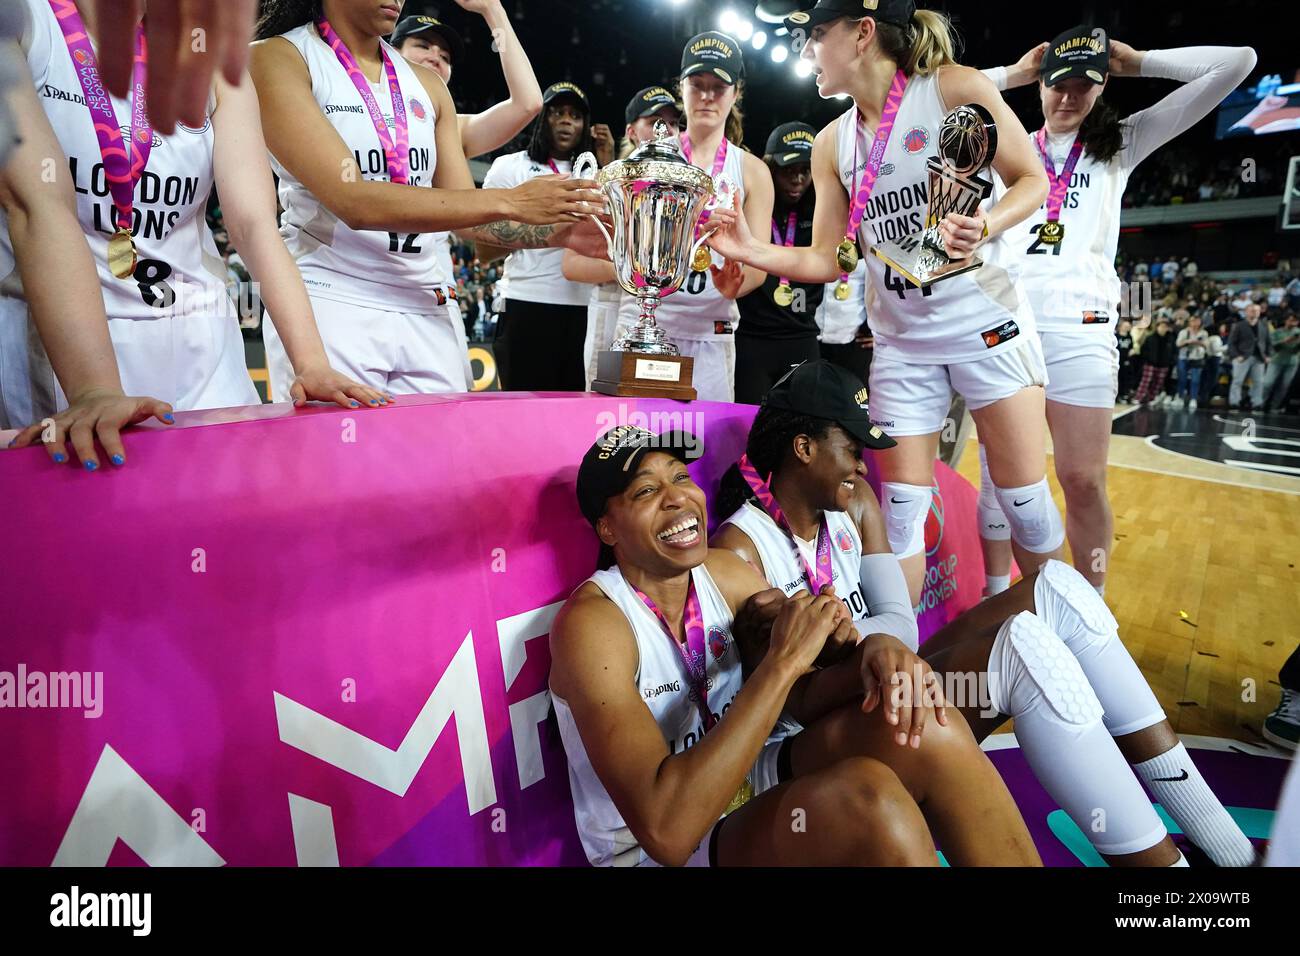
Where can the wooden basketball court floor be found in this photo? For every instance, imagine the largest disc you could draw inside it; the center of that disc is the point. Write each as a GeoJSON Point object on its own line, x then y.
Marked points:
{"type": "Point", "coordinates": [1204, 581]}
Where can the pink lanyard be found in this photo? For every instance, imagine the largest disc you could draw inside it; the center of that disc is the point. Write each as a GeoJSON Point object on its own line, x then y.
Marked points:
{"type": "Point", "coordinates": [862, 191]}
{"type": "Point", "coordinates": [822, 575]}
{"type": "Point", "coordinates": [1059, 184]}
{"type": "Point", "coordinates": [396, 150]}
{"type": "Point", "coordinates": [789, 238]}
{"type": "Point", "coordinates": [719, 161]}
{"type": "Point", "coordinates": [121, 173]}
{"type": "Point", "coordinates": [693, 651]}
{"type": "Point", "coordinates": [555, 169]}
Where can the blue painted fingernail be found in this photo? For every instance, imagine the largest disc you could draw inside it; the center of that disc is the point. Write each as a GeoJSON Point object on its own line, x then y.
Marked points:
{"type": "Point", "coordinates": [373, 402]}
{"type": "Point", "coordinates": [91, 466]}
{"type": "Point", "coordinates": [119, 460]}
{"type": "Point", "coordinates": [169, 417]}
{"type": "Point", "coordinates": [356, 404]}
{"type": "Point", "coordinates": [60, 458]}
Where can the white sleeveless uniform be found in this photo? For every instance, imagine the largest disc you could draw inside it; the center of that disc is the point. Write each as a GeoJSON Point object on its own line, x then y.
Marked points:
{"type": "Point", "coordinates": [839, 321]}
{"type": "Point", "coordinates": [699, 319]}
{"type": "Point", "coordinates": [661, 679]}
{"type": "Point", "coordinates": [174, 328]}
{"type": "Point", "coordinates": [604, 324]}
{"type": "Point", "coordinates": [974, 333]}
{"type": "Point", "coordinates": [381, 300]}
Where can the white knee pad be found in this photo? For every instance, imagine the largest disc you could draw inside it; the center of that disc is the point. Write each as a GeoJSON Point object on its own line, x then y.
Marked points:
{"type": "Point", "coordinates": [1071, 607]}
{"type": "Point", "coordinates": [993, 523]}
{"type": "Point", "coordinates": [905, 508]}
{"type": "Point", "coordinates": [1030, 667]}
{"type": "Point", "coordinates": [1035, 523]}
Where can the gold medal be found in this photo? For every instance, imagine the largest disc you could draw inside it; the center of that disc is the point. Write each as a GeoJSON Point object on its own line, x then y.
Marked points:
{"type": "Point", "coordinates": [703, 259]}
{"type": "Point", "coordinates": [742, 797]}
{"type": "Point", "coordinates": [121, 254]}
{"type": "Point", "coordinates": [846, 254]}
{"type": "Point", "coordinates": [1051, 232]}
{"type": "Point", "coordinates": [783, 296]}
{"type": "Point", "coordinates": [842, 292]}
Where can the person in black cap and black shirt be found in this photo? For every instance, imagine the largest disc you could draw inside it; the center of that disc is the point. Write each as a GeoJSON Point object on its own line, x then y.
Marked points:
{"type": "Point", "coordinates": [540, 334]}
{"type": "Point", "coordinates": [665, 698]}
{"type": "Point", "coordinates": [778, 324]}
{"type": "Point", "coordinates": [1066, 251]}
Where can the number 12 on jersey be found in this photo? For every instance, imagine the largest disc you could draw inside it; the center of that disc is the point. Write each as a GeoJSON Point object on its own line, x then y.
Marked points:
{"type": "Point", "coordinates": [399, 243]}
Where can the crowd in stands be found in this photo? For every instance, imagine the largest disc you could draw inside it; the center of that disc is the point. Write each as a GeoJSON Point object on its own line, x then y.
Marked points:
{"type": "Point", "coordinates": [1241, 170]}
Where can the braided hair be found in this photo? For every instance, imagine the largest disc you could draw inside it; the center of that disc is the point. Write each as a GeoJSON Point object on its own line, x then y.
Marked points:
{"type": "Point", "coordinates": [768, 445]}
{"type": "Point", "coordinates": [541, 146]}
{"type": "Point", "coordinates": [275, 17]}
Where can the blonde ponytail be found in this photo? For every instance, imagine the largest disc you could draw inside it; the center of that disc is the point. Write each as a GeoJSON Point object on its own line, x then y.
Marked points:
{"type": "Point", "coordinates": [926, 44]}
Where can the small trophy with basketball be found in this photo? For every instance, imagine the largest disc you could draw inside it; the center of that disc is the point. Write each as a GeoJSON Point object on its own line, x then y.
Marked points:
{"type": "Point", "coordinates": [968, 141]}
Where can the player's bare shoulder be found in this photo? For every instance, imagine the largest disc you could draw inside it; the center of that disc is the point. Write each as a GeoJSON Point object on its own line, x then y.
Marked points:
{"type": "Point", "coordinates": [590, 632]}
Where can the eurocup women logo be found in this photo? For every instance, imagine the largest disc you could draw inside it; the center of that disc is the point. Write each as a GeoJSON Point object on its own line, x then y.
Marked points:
{"type": "Point", "coordinates": [80, 57]}
{"type": "Point", "coordinates": [917, 139]}
{"type": "Point", "coordinates": [934, 522]}
{"type": "Point", "coordinates": [417, 109]}
{"type": "Point", "coordinates": [843, 540]}
{"type": "Point", "coordinates": [718, 642]}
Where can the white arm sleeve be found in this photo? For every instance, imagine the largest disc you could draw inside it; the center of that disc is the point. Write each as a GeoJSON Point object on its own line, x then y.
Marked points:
{"type": "Point", "coordinates": [1208, 74]}
{"type": "Point", "coordinates": [885, 590]}
{"type": "Point", "coordinates": [998, 74]}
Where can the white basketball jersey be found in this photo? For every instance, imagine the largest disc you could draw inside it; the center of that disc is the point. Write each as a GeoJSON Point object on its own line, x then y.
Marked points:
{"type": "Point", "coordinates": [839, 321]}
{"type": "Point", "coordinates": [442, 257]}
{"type": "Point", "coordinates": [661, 679]}
{"type": "Point", "coordinates": [783, 569]}
{"type": "Point", "coordinates": [1072, 285]}
{"type": "Point", "coordinates": [396, 272]}
{"type": "Point", "coordinates": [698, 311]}
{"type": "Point", "coordinates": [533, 275]}
{"type": "Point", "coordinates": [179, 270]}
{"type": "Point", "coordinates": [953, 320]}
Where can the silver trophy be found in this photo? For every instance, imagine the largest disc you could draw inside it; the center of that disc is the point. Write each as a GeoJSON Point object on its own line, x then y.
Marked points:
{"type": "Point", "coordinates": [968, 141]}
{"type": "Point", "coordinates": [656, 199]}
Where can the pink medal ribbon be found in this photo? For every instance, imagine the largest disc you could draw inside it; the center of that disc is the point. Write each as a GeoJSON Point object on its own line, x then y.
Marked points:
{"type": "Point", "coordinates": [121, 171]}
{"type": "Point", "coordinates": [847, 253]}
{"type": "Point", "coordinates": [1059, 184]}
{"type": "Point", "coordinates": [693, 652]}
{"type": "Point", "coordinates": [555, 169]}
{"type": "Point", "coordinates": [784, 283]}
{"type": "Point", "coordinates": [396, 147]}
{"type": "Point", "coordinates": [719, 161]}
{"type": "Point", "coordinates": [818, 577]}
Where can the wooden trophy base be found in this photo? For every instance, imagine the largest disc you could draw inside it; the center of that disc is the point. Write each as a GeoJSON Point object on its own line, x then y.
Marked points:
{"type": "Point", "coordinates": [637, 374]}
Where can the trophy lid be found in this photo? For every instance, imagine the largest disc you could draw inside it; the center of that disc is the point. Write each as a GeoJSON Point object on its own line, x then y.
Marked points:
{"type": "Point", "coordinates": [664, 153]}
{"type": "Point", "coordinates": [663, 147]}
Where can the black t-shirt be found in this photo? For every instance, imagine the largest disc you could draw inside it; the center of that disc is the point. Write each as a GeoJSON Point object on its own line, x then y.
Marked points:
{"type": "Point", "coordinates": [762, 318]}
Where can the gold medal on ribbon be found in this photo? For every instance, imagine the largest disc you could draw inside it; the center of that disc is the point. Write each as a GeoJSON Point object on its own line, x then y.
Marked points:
{"type": "Point", "coordinates": [846, 254]}
{"type": "Point", "coordinates": [1051, 232]}
{"type": "Point", "coordinates": [121, 254]}
{"type": "Point", "coordinates": [703, 259]}
{"type": "Point", "coordinates": [783, 296]}
{"type": "Point", "coordinates": [742, 797]}
{"type": "Point", "coordinates": [842, 292]}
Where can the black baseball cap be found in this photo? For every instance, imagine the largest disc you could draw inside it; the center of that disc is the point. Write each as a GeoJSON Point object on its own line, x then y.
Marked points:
{"type": "Point", "coordinates": [715, 53]}
{"type": "Point", "coordinates": [565, 88]}
{"type": "Point", "coordinates": [824, 390]}
{"type": "Point", "coordinates": [1079, 52]}
{"type": "Point", "coordinates": [408, 27]}
{"type": "Point", "coordinates": [607, 467]}
{"type": "Point", "coordinates": [897, 12]}
{"type": "Point", "coordinates": [648, 102]}
{"type": "Point", "coordinates": [791, 143]}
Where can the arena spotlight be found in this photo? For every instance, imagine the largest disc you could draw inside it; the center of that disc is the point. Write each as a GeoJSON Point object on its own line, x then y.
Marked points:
{"type": "Point", "coordinates": [727, 20]}
{"type": "Point", "coordinates": [780, 53]}
{"type": "Point", "coordinates": [802, 68]}
{"type": "Point", "coordinates": [744, 29]}
{"type": "Point", "coordinates": [760, 39]}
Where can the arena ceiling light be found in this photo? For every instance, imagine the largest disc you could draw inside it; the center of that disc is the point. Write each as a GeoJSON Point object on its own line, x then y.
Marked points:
{"type": "Point", "coordinates": [760, 39]}
{"type": "Point", "coordinates": [775, 11]}
{"type": "Point", "coordinates": [744, 29]}
{"type": "Point", "coordinates": [727, 20]}
{"type": "Point", "coordinates": [802, 68]}
{"type": "Point", "coordinates": [780, 53]}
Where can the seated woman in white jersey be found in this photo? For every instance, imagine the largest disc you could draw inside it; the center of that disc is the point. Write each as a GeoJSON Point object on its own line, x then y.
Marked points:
{"type": "Point", "coordinates": [652, 105]}
{"type": "Point", "coordinates": [1066, 252]}
{"type": "Point", "coordinates": [540, 333]}
{"type": "Point", "coordinates": [174, 328]}
{"type": "Point", "coordinates": [805, 518]}
{"type": "Point", "coordinates": [428, 42]}
{"type": "Point", "coordinates": [974, 332]}
{"type": "Point", "coordinates": [778, 320]}
{"type": "Point", "coordinates": [701, 317]}
{"type": "Point", "coordinates": [369, 155]}
{"type": "Point", "coordinates": [669, 756]}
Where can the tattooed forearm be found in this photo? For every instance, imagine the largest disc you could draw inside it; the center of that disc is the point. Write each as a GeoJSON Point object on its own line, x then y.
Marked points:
{"type": "Point", "coordinates": [510, 235]}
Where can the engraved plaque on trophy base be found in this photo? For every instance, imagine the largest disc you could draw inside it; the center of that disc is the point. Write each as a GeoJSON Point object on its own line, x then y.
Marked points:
{"type": "Point", "coordinates": [644, 375]}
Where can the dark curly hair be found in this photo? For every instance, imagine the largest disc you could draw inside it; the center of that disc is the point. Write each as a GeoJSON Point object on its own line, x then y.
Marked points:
{"type": "Point", "coordinates": [541, 146]}
{"type": "Point", "coordinates": [275, 17]}
{"type": "Point", "coordinates": [767, 446]}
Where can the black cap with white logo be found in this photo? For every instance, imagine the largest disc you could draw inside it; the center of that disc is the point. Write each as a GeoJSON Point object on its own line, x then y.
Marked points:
{"type": "Point", "coordinates": [648, 102]}
{"type": "Point", "coordinates": [825, 390]}
{"type": "Point", "coordinates": [897, 12]}
{"type": "Point", "coordinates": [715, 53]}
{"type": "Point", "coordinates": [565, 88]}
{"type": "Point", "coordinates": [791, 143]}
{"type": "Point", "coordinates": [448, 38]}
{"type": "Point", "coordinates": [1081, 52]}
{"type": "Point", "coordinates": [608, 467]}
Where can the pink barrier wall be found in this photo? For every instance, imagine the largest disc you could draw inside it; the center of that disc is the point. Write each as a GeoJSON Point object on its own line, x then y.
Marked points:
{"type": "Point", "coordinates": [320, 636]}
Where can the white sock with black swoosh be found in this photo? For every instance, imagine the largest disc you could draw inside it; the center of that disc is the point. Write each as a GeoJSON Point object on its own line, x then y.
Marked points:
{"type": "Point", "coordinates": [1179, 787]}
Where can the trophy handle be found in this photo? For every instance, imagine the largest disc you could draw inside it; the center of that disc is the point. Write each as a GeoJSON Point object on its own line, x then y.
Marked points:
{"type": "Point", "coordinates": [609, 240]}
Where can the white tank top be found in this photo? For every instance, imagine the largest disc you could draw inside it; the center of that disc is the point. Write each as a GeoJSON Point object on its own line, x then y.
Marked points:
{"type": "Point", "coordinates": [784, 571]}
{"type": "Point", "coordinates": [698, 311]}
{"type": "Point", "coordinates": [661, 679]}
{"type": "Point", "coordinates": [393, 271]}
{"type": "Point", "coordinates": [179, 271]}
{"type": "Point", "coordinates": [839, 321]}
{"type": "Point", "coordinates": [442, 257]}
{"type": "Point", "coordinates": [945, 323]}
{"type": "Point", "coordinates": [1073, 285]}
